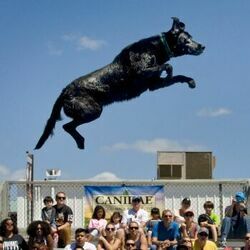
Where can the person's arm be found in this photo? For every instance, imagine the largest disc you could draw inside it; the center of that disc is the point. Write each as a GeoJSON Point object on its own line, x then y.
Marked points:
{"type": "Point", "coordinates": [50, 242]}
{"type": "Point", "coordinates": [144, 243]}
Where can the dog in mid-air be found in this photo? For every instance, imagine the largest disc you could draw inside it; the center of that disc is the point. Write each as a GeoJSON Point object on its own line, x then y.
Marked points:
{"type": "Point", "coordinates": [136, 69]}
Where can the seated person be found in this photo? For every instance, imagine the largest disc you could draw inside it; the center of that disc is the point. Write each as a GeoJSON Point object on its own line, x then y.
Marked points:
{"type": "Point", "coordinates": [247, 242]}
{"type": "Point", "coordinates": [165, 233]}
{"type": "Point", "coordinates": [236, 223]}
{"type": "Point", "coordinates": [81, 237]}
{"type": "Point", "coordinates": [189, 228]}
{"type": "Point", "coordinates": [130, 244]}
{"type": "Point", "coordinates": [179, 214]}
{"type": "Point", "coordinates": [202, 242]}
{"type": "Point", "coordinates": [155, 218]}
{"type": "Point", "coordinates": [209, 207]}
{"type": "Point", "coordinates": [107, 239]}
{"type": "Point", "coordinates": [204, 220]}
{"type": "Point", "coordinates": [136, 213]}
{"type": "Point", "coordinates": [135, 234]}
{"type": "Point", "coordinates": [185, 244]}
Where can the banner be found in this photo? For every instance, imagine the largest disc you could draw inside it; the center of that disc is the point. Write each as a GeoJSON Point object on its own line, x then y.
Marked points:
{"type": "Point", "coordinates": [118, 198]}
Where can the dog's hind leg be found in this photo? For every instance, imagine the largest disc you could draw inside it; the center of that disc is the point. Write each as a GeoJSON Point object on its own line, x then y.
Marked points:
{"type": "Point", "coordinates": [83, 111]}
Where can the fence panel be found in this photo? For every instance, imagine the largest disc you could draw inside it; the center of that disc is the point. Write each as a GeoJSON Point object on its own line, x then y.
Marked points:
{"type": "Point", "coordinates": [15, 196]}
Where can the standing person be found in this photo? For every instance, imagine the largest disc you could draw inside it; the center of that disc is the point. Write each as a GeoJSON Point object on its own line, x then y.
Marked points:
{"type": "Point", "coordinates": [11, 238]}
{"type": "Point", "coordinates": [81, 241]}
{"type": "Point", "coordinates": [202, 242]}
{"type": "Point", "coordinates": [39, 233]}
{"type": "Point", "coordinates": [64, 218]}
{"type": "Point", "coordinates": [108, 239]}
{"type": "Point", "coordinates": [49, 216]}
{"type": "Point", "coordinates": [179, 214]}
{"type": "Point", "coordinates": [136, 213]}
{"type": "Point", "coordinates": [98, 222]}
{"type": "Point", "coordinates": [165, 233]}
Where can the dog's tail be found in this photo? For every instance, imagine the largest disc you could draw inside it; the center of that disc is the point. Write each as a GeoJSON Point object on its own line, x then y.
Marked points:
{"type": "Point", "coordinates": [54, 117]}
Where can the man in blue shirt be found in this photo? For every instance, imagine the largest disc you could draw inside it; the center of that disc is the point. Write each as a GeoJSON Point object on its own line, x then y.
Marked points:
{"type": "Point", "coordinates": [165, 233]}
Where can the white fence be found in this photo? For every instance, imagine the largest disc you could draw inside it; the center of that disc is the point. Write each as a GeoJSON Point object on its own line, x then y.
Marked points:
{"type": "Point", "coordinates": [16, 197]}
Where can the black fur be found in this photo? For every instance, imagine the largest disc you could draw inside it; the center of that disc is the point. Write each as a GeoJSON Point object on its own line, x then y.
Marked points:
{"type": "Point", "coordinates": [136, 69]}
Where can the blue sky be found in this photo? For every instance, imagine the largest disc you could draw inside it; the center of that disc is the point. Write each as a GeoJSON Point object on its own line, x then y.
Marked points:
{"type": "Point", "coordinates": [44, 45]}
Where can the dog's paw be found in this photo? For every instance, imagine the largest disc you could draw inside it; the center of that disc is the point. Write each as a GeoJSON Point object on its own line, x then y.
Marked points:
{"type": "Point", "coordinates": [191, 84]}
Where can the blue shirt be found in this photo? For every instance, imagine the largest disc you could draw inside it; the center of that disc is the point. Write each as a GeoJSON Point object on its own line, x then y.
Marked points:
{"type": "Point", "coordinates": [163, 233]}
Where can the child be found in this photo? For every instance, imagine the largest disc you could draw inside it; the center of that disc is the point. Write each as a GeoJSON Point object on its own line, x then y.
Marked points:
{"type": "Point", "coordinates": [49, 215]}
{"type": "Point", "coordinates": [155, 218]}
{"type": "Point", "coordinates": [210, 220]}
{"type": "Point", "coordinates": [116, 219]}
{"type": "Point", "coordinates": [98, 222]}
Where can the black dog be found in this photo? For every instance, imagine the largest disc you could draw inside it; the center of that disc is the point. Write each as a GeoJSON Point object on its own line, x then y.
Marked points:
{"type": "Point", "coordinates": [136, 69]}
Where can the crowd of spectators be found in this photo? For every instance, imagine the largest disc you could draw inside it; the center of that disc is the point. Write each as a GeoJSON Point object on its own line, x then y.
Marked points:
{"type": "Point", "coordinates": [134, 229]}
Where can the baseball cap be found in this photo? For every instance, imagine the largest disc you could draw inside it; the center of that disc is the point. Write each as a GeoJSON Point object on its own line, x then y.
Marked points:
{"type": "Point", "coordinates": [203, 230]}
{"type": "Point", "coordinates": [136, 199]}
{"type": "Point", "coordinates": [240, 197]}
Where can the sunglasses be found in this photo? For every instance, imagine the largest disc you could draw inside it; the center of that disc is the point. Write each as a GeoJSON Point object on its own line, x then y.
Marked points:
{"type": "Point", "coordinates": [247, 238]}
{"type": "Point", "coordinates": [1, 241]}
{"type": "Point", "coordinates": [61, 198]}
{"type": "Point", "coordinates": [110, 229]}
{"type": "Point", "coordinates": [133, 228]}
{"type": "Point", "coordinates": [203, 234]}
{"type": "Point", "coordinates": [188, 215]}
{"type": "Point", "coordinates": [130, 244]}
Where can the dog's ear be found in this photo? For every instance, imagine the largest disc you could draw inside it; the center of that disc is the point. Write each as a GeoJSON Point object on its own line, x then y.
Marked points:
{"type": "Point", "coordinates": [177, 25]}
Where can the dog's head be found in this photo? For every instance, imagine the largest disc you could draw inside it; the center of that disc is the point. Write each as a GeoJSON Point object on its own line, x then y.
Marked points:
{"type": "Point", "coordinates": [181, 42]}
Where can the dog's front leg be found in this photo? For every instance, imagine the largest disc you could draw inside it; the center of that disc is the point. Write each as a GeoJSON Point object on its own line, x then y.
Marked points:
{"type": "Point", "coordinates": [167, 81]}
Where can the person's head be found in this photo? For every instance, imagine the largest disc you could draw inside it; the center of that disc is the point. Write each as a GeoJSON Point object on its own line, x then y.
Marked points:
{"type": "Point", "coordinates": [167, 216]}
{"type": "Point", "coordinates": [116, 218]}
{"type": "Point", "coordinates": [60, 198]}
{"type": "Point", "coordinates": [8, 226]}
{"type": "Point", "coordinates": [39, 246]}
{"type": "Point", "coordinates": [185, 203]}
{"type": "Point", "coordinates": [130, 244]}
{"type": "Point", "coordinates": [99, 213]}
{"type": "Point", "coordinates": [155, 213]}
{"type": "Point", "coordinates": [136, 202]}
{"type": "Point", "coordinates": [189, 215]}
{"type": "Point", "coordinates": [203, 234]}
{"type": "Point", "coordinates": [110, 229]}
{"type": "Point", "coordinates": [208, 206]}
{"type": "Point", "coordinates": [247, 240]}
{"type": "Point", "coordinates": [81, 236]}
{"type": "Point", "coordinates": [240, 197]}
{"type": "Point", "coordinates": [133, 227]}
{"type": "Point", "coordinates": [48, 201]}
{"type": "Point", "coordinates": [38, 228]}
{"type": "Point", "coordinates": [185, 244]}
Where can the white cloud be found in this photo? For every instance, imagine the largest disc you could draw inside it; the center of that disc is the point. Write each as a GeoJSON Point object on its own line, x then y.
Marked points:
{"type": "Point", "coordinates": [53, 50]}
{"type": "Point", "coordinates": [105, 176]}
{"type": "Point", "coordinates": [7, 175]}
{"type": "Point", "coordinates": [85, 42]}
{"type": "Point", "coordinates": [208, 112]}
{"type": "Point", "coordinates": [151, 147]}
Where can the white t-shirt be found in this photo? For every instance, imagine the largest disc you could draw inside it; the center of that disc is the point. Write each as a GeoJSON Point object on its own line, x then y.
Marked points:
{"type": "Point", "coordinates": [86, 246]}
{"type": "Point", "coordinates": [131, 215]}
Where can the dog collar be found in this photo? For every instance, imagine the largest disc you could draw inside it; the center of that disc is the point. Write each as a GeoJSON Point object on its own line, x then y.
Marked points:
{"type": "Point", "coordinates": [165, 43]}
